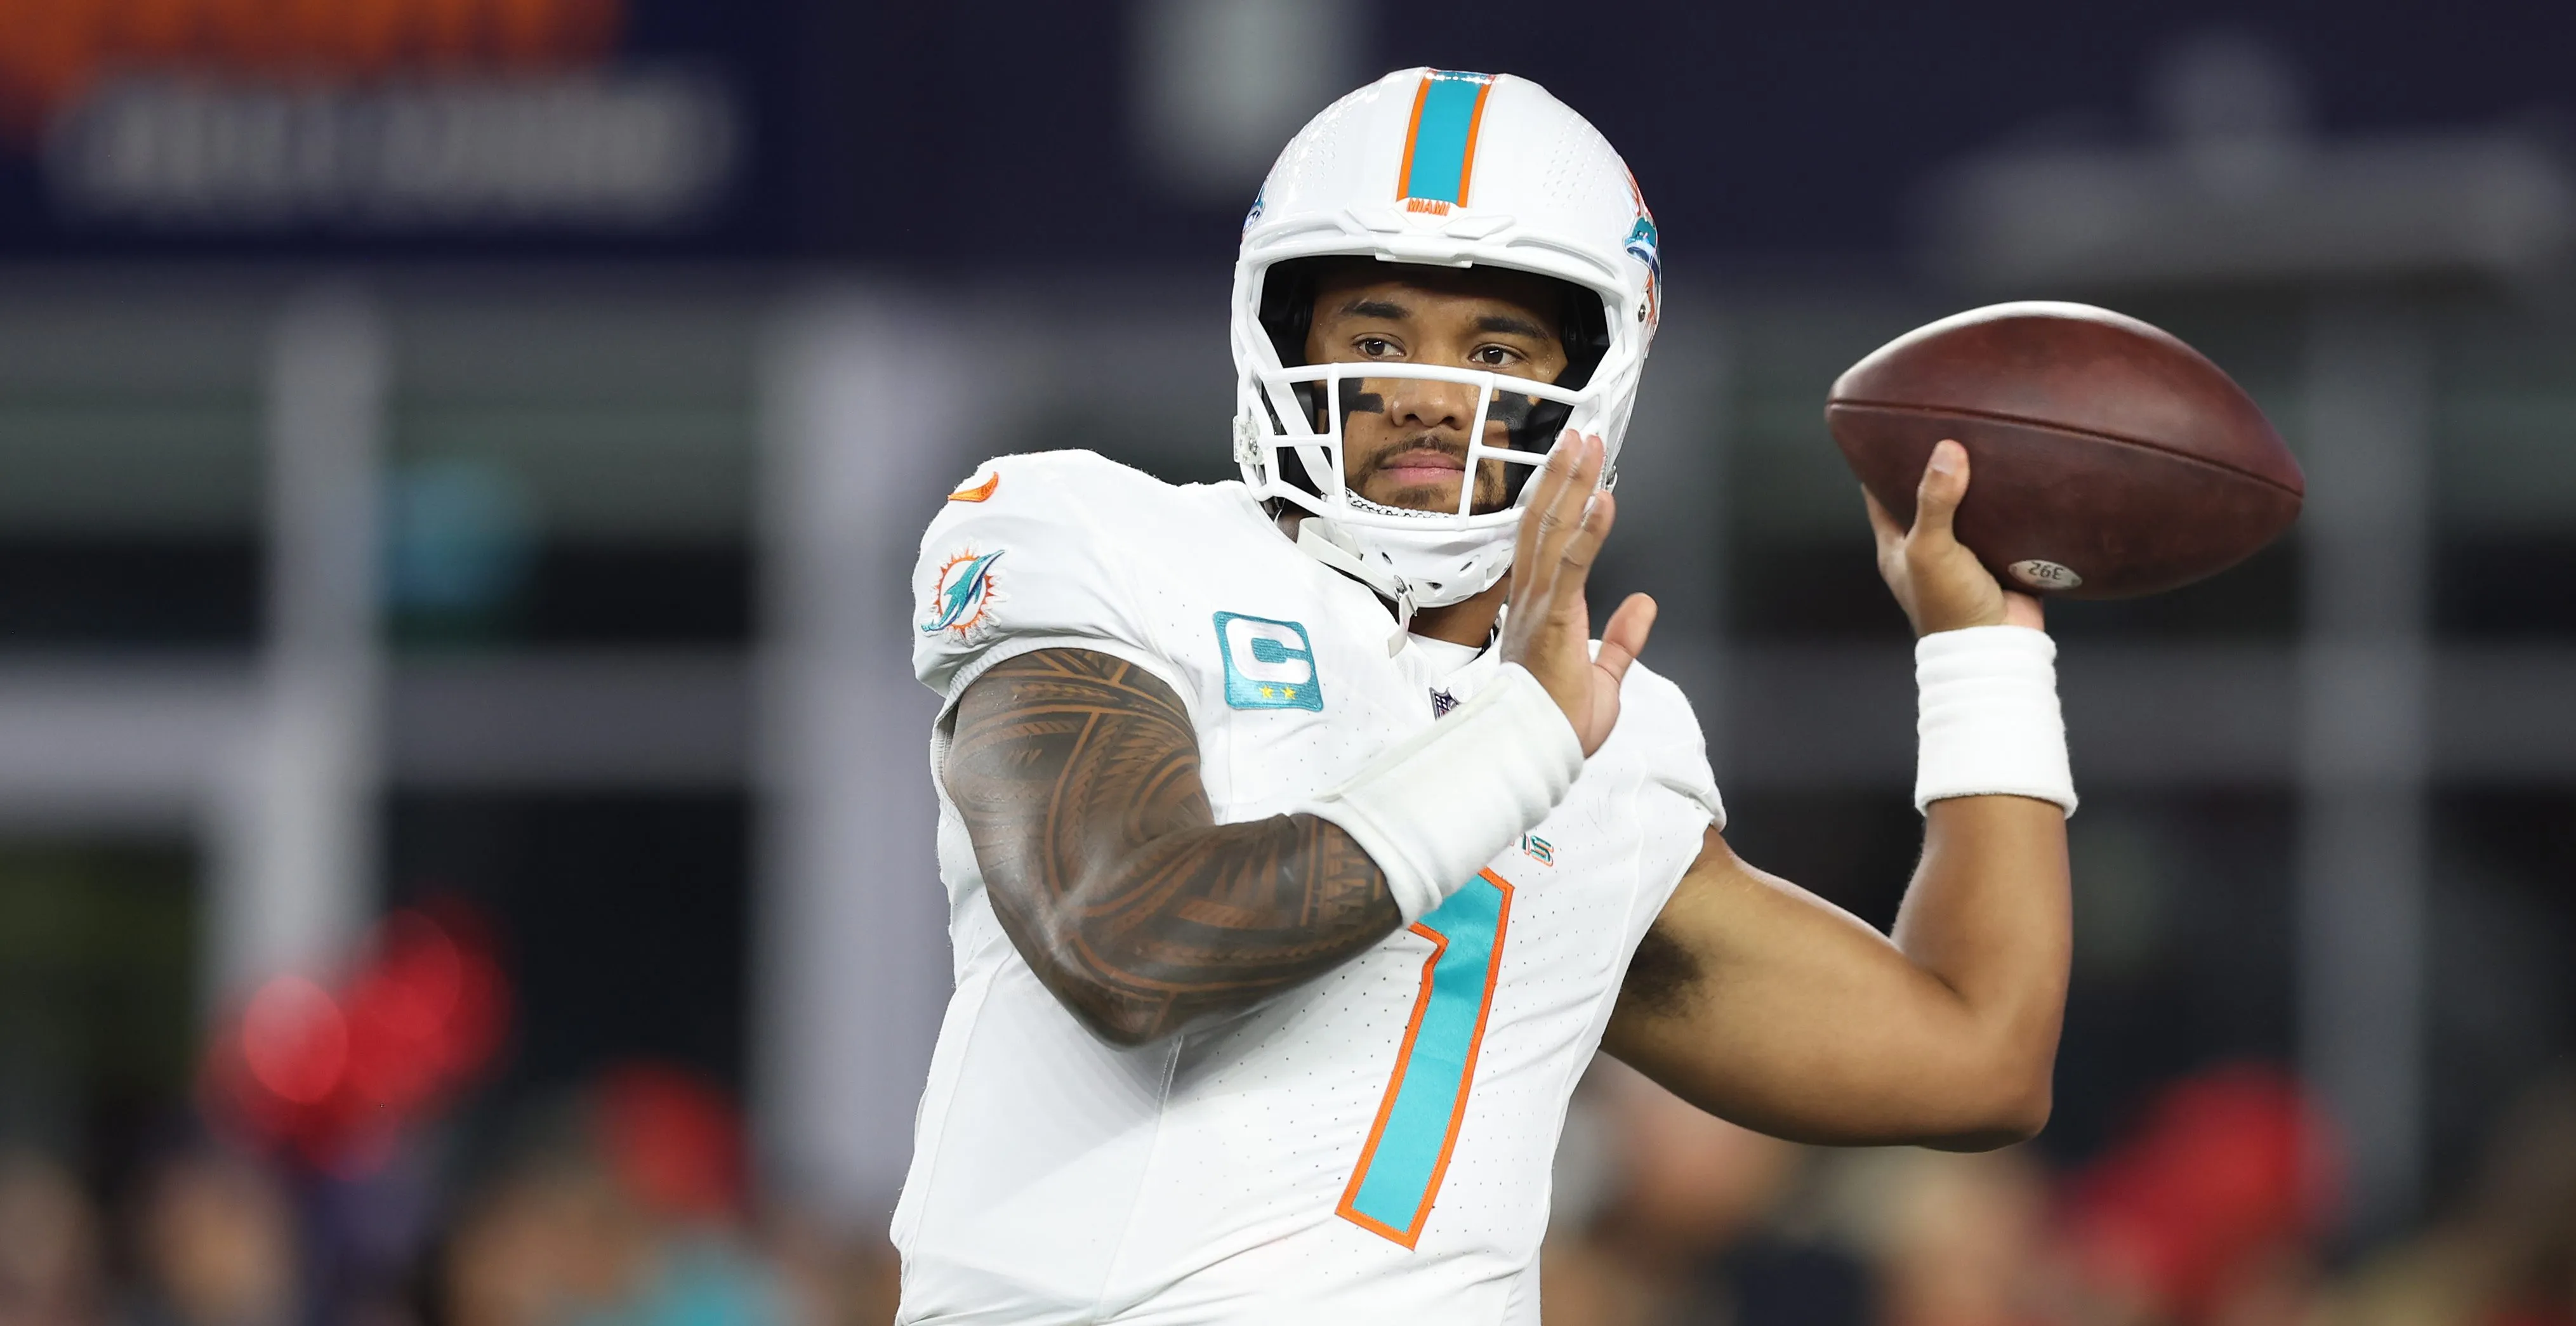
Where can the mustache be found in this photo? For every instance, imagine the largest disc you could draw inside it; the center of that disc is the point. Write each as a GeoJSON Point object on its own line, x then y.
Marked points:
{"type": "Point", "coordinates": [1385, 458]}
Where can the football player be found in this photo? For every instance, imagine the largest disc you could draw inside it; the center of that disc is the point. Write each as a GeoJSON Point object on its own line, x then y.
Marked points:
{"type": "Point", "coordinates": [1301, 848]}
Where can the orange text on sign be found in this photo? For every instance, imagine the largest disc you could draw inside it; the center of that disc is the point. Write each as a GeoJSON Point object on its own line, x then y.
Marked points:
{"type": "Point", "coordinates": [52, 50]}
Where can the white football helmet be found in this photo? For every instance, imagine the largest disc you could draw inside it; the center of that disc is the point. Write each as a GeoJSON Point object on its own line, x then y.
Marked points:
{"type": "Point", "coordinates": [1450, 169]}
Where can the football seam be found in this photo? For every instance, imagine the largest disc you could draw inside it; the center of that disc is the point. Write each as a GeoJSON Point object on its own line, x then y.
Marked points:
{"type": "Point", "coordinates": [1997, 416]}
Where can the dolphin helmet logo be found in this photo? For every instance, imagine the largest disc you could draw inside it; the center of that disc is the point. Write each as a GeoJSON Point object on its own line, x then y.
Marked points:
{"type": "Point", "coordinates": [1645, 246]}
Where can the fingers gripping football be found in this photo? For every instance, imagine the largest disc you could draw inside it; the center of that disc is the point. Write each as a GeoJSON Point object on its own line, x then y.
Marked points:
{"type": "Point", "coordinates": [1549, 627]}
{"type": "Point", "coordinates": [1936, 579]}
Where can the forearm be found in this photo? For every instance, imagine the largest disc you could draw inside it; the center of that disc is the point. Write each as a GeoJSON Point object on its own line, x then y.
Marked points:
{"type": "Point", "coordinates": [1201, 924]}
{"type": "Point", "coordinates": [1764, 1004]}
{"type": "Point", "coordinates": [1988, 916]}
{"type": "Point", "coordinates": [1077, 776]}
{"type": "Point", "coordinates": [1760, 1002]}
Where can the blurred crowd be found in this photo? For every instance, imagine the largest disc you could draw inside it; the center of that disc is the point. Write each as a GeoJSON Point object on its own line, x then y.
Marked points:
{"type": "Point", "coordinates": [623, 1204]}
{"type": "Point", "coordinates": [627, 1203]}
{"type": "Point", "coordinates": [2215, 1208]}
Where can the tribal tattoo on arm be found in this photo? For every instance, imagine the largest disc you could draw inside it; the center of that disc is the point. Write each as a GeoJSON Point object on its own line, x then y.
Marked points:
{"type": "Point", "coordinates": [1077, 774]}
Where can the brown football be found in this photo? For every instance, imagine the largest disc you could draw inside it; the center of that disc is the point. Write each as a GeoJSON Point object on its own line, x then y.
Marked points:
{"type": "Point", "coordinates": [2106, 459]}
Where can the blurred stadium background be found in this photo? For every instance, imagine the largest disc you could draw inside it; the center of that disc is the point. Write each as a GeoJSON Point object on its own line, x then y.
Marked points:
{"type": "Point", "coordinates": [464, 852]}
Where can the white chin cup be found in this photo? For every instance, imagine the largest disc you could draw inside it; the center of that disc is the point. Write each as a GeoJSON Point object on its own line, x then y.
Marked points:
{"type": "Point", "coordinates": [1441, 563]}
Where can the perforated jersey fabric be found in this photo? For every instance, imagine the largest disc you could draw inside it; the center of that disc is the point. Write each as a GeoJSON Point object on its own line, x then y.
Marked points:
{"type": "Point", "coordinates": [1374, 1146]}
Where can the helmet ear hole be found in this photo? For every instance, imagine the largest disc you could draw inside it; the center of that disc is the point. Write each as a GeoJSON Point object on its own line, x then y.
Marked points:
{"type": "Point", "coordinates": [1584, 330]}
{"type": "Point", "coordinates": [1288, 303]}
{"type": "Point", "coordinates": [1288, 310]}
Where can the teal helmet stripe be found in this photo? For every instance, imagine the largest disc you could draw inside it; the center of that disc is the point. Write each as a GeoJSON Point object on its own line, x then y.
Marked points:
{"type": "Point", "coordinates": [1440, 148]}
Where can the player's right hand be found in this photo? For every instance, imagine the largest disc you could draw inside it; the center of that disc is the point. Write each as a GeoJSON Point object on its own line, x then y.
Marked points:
{"type": "Point", "coordinates": [1548, 629]}
{"type": "Point", "coordinates": [1937, 579]}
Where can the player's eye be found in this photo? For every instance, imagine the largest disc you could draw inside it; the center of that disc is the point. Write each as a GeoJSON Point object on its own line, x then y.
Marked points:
{"type": "Point", "coordinates": [1493, 356]}
{"type": "Point", "coordinates": [1376, 347]}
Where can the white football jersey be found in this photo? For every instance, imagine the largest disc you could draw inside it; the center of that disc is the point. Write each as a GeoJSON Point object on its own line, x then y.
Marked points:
{"type": "Point", "coordinates": [1373, 1146]}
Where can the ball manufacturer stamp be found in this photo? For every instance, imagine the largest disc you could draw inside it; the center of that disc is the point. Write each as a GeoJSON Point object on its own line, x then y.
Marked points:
{"type": "Point", "coordinates": [2044, 575]}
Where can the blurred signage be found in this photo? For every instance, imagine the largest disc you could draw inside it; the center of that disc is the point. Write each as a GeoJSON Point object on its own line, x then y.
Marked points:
{"type": "Point", "coordinates": [363, 121]}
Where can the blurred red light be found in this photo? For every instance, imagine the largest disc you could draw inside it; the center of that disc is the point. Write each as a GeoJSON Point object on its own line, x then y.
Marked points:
{"type": "Point", "coordinates": [2228, 1166]}
{"type": "Point", "coordinates": [295, 1040]}
{"type": "Point", "coordinates": [675, 1140]}
{"type": "Point", "coordinates": [337, 1077]}
{"type": "Point", "coordinates": [420, 971]}
{"type": "Point", "coordinates": [400, 1008]}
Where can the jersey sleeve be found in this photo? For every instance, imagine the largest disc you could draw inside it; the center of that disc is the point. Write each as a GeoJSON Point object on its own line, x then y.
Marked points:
{"type": "Point", "coordinates": [1025, 556]}
{"type": "Point", "coordinates": [1671, 744]}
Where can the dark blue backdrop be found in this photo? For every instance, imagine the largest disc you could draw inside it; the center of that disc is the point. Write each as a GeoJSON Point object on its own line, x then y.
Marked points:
{"type": "Point", "coordinates": [994, 134]}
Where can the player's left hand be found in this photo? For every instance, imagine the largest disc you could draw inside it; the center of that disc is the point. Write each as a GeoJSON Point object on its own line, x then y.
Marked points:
{"type": "Point", "coordinates": [1936, 579]}
{"type": "Point", "coordinates": [1549, 628]}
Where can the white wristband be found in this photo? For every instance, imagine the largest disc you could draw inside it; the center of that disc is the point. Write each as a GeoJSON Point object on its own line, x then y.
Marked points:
{"type": "Point", "coordinates": [1432, 810]}
{"type": "Point", "coordinates": [1989, 723]}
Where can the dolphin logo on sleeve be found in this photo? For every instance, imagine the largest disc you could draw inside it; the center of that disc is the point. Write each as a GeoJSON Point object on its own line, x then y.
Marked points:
{"type": "Point", "coordinates": [963, 593]}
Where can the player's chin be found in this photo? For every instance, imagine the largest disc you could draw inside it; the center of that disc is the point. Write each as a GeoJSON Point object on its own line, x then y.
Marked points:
{"type": "Point", "coordinates": [1440, 496]}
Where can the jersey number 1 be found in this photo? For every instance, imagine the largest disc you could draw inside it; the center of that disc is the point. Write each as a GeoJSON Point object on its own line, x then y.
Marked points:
{"type": "Point", "coordinates": [1408, 1149]}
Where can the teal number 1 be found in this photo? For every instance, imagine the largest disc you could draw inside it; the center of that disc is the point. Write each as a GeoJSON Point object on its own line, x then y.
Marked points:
{"type": "Point", "coordinates": [1408, 1149]}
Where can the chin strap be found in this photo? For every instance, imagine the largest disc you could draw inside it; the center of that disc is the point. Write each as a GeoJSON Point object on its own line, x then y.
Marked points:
{"type": "Point", "coordinates": [1315, 536]}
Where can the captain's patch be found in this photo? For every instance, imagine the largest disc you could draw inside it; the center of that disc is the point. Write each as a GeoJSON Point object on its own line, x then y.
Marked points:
{"type": "Point", "coordinates": [1268, 664]}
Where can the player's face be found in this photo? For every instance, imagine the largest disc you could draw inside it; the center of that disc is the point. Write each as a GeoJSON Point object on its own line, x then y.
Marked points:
{"type": "Point", "coordinates": [1404, 442]}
